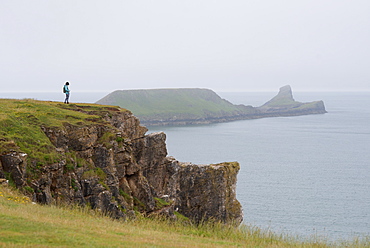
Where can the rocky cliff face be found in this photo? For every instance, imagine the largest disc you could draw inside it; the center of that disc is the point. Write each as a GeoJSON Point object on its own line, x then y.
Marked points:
{"type": "Point", "coordinates": [116, 168]}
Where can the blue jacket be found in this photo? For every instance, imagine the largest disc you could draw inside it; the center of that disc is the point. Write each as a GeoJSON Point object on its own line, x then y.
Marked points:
{"type": "Point", "coordinates": [66, 89]}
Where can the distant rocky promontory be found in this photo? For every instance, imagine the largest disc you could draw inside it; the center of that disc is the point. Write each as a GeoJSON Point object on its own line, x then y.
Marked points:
{"type": "Point", "coordinates": [186, 106]}
{"type": "Point", "coordinates": [283, 104]}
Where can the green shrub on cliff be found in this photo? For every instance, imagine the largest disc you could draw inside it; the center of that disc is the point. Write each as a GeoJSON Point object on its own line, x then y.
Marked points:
{"type": "Point", "coordinates": [96, 172]}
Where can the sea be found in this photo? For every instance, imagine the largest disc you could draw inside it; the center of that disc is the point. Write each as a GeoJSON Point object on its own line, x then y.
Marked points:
{"type": "Point", "coordinates": [307, 176]}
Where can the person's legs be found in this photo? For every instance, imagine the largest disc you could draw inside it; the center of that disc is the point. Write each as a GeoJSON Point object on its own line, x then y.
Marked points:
{"type": "Point", "coordinates": [67, 98]}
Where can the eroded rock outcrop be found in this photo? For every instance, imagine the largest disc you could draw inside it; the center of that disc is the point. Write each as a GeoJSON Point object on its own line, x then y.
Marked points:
{"type": "Point", "coordinates": [283, 104]}
{"type": "Point", "coordinates": [116, 168]}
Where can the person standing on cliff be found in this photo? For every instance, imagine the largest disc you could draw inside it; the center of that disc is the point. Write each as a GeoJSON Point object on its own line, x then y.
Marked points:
{"type": "Point", "coordinates": [66, 91]}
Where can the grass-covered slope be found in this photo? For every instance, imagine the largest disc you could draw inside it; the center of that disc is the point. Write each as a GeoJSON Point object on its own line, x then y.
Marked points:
{"type": "Point", "coordinates": [21, 122]}
{"type": "Point", "coordinates": [24, 224]}
{"type": "Point", "coordinates": [152, 102]}
{"type": "Point", "coordinates": [174, 104]}
{"type": "Point", "coordinates": [283, 98]}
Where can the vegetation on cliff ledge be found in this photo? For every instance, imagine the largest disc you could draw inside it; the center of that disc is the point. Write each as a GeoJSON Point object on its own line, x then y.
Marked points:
{"type": "Point", "coordinates": [21, 123]}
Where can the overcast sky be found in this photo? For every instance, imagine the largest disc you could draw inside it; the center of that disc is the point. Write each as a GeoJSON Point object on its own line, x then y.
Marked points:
{"type": "Point", "coordinates": [222, 45]}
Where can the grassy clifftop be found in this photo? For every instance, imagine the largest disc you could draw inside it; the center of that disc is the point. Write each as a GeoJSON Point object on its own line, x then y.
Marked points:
{"type": "Point", "coordinates": [21, 122]}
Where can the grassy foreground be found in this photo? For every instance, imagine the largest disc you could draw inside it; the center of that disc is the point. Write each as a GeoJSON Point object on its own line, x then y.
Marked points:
{"type": "Point", "coordinates": [24, 224]}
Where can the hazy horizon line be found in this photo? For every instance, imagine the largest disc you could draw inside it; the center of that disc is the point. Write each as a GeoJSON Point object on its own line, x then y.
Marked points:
{"type": "Point", "coordinates": [216, 90]}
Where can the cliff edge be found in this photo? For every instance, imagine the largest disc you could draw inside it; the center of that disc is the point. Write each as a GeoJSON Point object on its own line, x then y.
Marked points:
{"type": "Point", "coordinates": [100, 156]}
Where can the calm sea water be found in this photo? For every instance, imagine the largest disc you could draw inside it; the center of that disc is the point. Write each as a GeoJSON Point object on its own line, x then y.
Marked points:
{"type": "Point", "coordinates": [306, 175]}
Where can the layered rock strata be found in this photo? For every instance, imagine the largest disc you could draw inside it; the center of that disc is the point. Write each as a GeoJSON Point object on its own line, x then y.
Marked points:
{"type": "Point", "coordinates": [119, 170]}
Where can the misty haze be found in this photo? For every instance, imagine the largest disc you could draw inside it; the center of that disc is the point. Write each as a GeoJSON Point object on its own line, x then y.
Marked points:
{"type": "Point", "coordinates": [281, 87]}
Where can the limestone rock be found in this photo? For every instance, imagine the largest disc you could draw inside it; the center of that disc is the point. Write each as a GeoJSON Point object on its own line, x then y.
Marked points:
{"type": "Point", "coordinates": [14, 163]}
{"type": "Point", "coordinates": [117, 169]}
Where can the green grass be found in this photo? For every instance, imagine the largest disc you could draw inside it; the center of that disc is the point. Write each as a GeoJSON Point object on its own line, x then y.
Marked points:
{"type": "Point", "coordinates": [166, 103]}
{"type": "Point", "coordinates": [21, 123]}
{"type": "Point", "coordinates": [96, 172]}
{"type": "Point", "coordinates": [23, 224]}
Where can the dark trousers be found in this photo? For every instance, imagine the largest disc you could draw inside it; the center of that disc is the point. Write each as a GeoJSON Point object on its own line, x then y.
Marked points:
{"type": "Point", "coordinates": [67, 98]}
